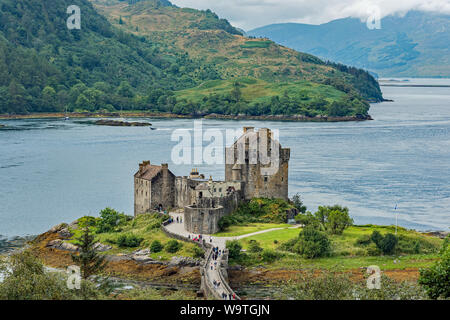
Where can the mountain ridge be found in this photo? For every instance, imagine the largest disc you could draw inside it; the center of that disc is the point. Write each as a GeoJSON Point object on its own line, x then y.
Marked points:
{"type": "Point", "coordinates": [413, 45]}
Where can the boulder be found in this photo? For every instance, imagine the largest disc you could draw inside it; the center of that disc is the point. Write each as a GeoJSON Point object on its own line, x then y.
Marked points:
{"type": "Point", "coordinates": [65, 233]}
{"type": "Point", "coordinates": [61, 245]}
{"type": "Point", "coordinates": [101, 247]}
{"type": "Point", "coordinates": [58, 228]}
{"type": "Point", "coordinates": [184, 262]}
{"type": "Point", "coordinates": [143, 252]}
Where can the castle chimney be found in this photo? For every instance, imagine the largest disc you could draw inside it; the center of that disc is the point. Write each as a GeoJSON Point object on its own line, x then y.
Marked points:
{"type": "Point", "coordinates": [165, 166]}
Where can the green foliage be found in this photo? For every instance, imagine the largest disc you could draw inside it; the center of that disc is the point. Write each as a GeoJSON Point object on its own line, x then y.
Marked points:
{"type": "Point", "coordinates": [156, 246]}
{"type": "Point", "coordinates": [298, 203]}
{"type": "Point", "coordinates": [311, 243]}
{"type": "Point", "coordinates": [387, 245]}
{"type": "Point", "coordinates": [269, 256]}
{"type": "Point", "coordinates": [436, 280]}
{"type": "Point", "coordinates": [25, 278]}
{"type": "Point", "coordinates": [110, 220]}
{"type": "Point", "coordinates": [254, 247]}
{"type": "Point", "coordinates": [198, 252]}
{"type": "Point", "coordinates": [234, 249]}
{"type": "Point", "coordinates": [376, 238]}
{"type": "Point", "coordinates": [257, 210]}
{"type": "Point", "coordinates": [335, 219]}
{"type": "Point", "coordinates": [338, 286]}
{"type": "Point", "coordinates": [129, 241]}
{"type": "Point", "coordinates": [173, 246]}
{"type": "Point", "coordinates": [89, 261]}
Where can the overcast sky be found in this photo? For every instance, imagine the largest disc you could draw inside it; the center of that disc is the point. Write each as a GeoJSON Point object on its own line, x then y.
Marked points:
{"type": "Point", "coordinates": [249, 14]}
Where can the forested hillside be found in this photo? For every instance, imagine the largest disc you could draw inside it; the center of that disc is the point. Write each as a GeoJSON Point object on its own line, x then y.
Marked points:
{"type": "Point", "coordinates": [153, 56]}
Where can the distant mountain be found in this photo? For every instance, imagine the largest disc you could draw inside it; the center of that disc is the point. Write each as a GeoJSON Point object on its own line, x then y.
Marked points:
{"type": "Point", "coordinates": [416, 45]}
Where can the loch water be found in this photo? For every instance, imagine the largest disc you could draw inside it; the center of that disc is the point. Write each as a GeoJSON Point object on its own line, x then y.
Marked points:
{"type": "Point", "coordinates": [54, 171]}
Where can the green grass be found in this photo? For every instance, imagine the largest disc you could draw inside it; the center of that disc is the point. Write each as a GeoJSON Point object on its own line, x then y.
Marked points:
{"type": "Point", "coordinates": [234, 231]}
{"type": "Point", "coordinates": [143, 227]}
{"type": "Point", "coordinates": [255, 90]}
{"type": "Point", "coordinates": [346, 253]}
{"type": "Point", "coordinates": [256, 44]}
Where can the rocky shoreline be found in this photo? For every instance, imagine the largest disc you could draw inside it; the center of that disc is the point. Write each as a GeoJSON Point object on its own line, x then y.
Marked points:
{"type": "Point", "coordinates": [298, 118]}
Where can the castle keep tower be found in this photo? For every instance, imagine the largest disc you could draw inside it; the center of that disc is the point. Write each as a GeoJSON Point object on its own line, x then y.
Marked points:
{"type": "Point", "coordinates": [258, 160]}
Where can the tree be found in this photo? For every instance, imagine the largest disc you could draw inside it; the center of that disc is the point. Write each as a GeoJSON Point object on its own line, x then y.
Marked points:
{"type": "Point", "coordinates": [298, 203]}
{"type": "Point", "coordinates": [312, 243]}
{"type": "Point", "coordinates": [234, 249]}
{"type": "Point", "coordinates": [25, 278]}
{"type": "Point", "coordinates": [236, 93]}
{"type": "Point", "coordinates": [436, 280]}
{"type": "Point", "coordinates": [335, 219]}
{"type": "Point", "coordinates": [89, 261]}
{"type": "Point", "coordinates": [338, 221]}
{"type": "Point", "coordinates": [110, 219]}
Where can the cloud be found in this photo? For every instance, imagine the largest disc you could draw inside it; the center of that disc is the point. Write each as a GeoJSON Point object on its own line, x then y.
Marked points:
{"type": "Point", "coordinates": [248, 14]}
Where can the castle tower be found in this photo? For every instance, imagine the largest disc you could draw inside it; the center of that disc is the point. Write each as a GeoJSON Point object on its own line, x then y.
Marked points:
{"type": "Point", "coordinates": [259, 160]}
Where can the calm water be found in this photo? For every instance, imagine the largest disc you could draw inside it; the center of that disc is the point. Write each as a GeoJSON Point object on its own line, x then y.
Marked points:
{"type": "Point", "coordinates": [54, 171]}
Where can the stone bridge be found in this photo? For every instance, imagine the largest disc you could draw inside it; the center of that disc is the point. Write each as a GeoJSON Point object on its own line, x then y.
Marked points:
{"type": "Point", "coordinates": [217, 272]}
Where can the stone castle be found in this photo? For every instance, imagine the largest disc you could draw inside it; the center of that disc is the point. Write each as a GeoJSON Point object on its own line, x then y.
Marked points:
{"type": "Point", "coordinates": [256, 166]}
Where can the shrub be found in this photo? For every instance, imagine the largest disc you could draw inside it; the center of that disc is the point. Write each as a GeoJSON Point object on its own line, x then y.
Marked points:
{"type": "Point", "coordinates": [156, 246]}
{"type": "Point", "coordinates": [269, 255]}
{"type": "Point", "coordinates": [388, 243]}
{"type": "Point", "coordinates": [376, 237]}
{"type": "Point", "coordinates": [110, 219]}
{"type": "Point", "coordinates": [173, 246]}
{"type": "Point", "coordinates": [312, 243]}
{"type": "Point", "coordinates": [435, 280]}
{"type": "Point", "coordinates": [364, 240]}
{"type": "Point", "coordinates": [129, 241]}
{"type": "Point", "coordinates": [234, 249]}
{"type": "Point", "coordinates": [254, 247]}
{"type": "Point", "coordinates": [197, 252]}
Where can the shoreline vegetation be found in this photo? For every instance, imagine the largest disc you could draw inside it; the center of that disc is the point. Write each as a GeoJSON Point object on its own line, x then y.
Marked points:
{"type": "Point", "coordinates": [299, 118]}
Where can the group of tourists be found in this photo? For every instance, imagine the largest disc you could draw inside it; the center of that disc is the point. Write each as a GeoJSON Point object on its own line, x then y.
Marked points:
{"type": "Point", "coordinates": [195, 238]}
{"type": "Point", "coordinates": [179, 219]}
{"type": "Point", "coordinates": [230, 296]}
{"type": "Point", "coordinates": [216, 253]}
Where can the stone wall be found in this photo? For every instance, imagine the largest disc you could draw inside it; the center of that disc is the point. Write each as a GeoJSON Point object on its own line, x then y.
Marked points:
{"type": "Point", "coordinates": [163, 189]}
{"type": "Point", "coordinates": [203, 217]}
{"type": "Point", "coordinates": [142, 196]}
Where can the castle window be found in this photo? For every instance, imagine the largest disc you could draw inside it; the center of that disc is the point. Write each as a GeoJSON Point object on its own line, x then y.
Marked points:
{"type": "Point", "coordinates": [220, 189]}
{"type": "Point", "coordinates": [265, 179]}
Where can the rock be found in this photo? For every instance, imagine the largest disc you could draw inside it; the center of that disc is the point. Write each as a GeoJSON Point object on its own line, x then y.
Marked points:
{"type": "Point", "coordinates": [58, 228]}
{"type": "Point", "coordinates": [101, 247]}
{"type": "Point", "coordinates": [142, 259]}
{"type": "Point", "coordinates": [61, 245]}
{"type": "Point", "coordinates": [73, 225]}
{"type": "Point", "coordinates": [184, 262]}
{"type": "Point", "coordinates": [143, 252]}
{"type": "Point", "coordinates": [54, 243]}
{"type": "Point", "coordinates": [68, 247]}
{"type": "Point", "coordinates": [65, 233]}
